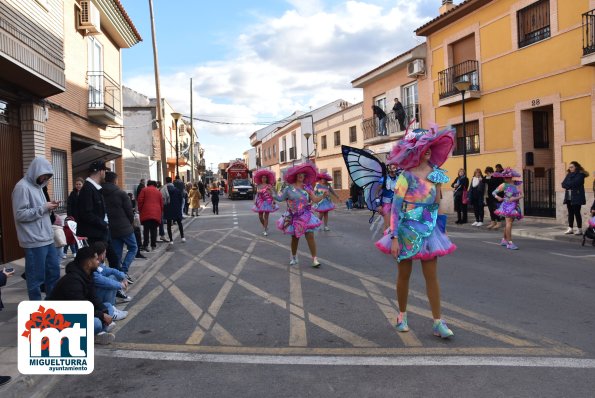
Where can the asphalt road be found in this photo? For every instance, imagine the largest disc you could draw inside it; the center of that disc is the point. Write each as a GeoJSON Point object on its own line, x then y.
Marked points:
{"type": "Point", "coordinates": [224, 315]}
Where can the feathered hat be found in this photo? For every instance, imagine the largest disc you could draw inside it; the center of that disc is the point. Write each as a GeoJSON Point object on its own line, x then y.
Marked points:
{"type": "Point", "coordinates": [263, 173]}
{"type": "Point", "coordinates": [308, 169]}
{"type": "Point", "coordinates": [324, 176]}
{"type": "Point", "coordinates": [407, 153]}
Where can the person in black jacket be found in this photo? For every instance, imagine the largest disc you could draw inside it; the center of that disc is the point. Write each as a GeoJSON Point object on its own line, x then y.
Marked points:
{"type": "Point", "coordinates": [139, 187]}
{"type": "Point", "coordinates": [73, 197]}
{"type": "Point", "coordinates": [400, 114]}
{"type": "Point", "coordinates": [173, 209]}
{"type": "Point", "coordinates": [91, 216]}
{"type": "Point", "coordinates": [491, 184]}
{"type": "Point", "coordinates": [77, 284]}
{"type": "Point", "coordinates": [460, 185]}
{"type": "Point", "coordinates": [379, 113]}
{"type": "Point", "coordinates": [476, 197]}
{"type": "Point", "coordinates": [121, 219]}
{"type": "Point", "coordinates": [574, 196]}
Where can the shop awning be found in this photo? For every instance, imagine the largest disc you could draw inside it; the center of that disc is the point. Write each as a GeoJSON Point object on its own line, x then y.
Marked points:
{"type": "Point", "coordinates": [86, 151]}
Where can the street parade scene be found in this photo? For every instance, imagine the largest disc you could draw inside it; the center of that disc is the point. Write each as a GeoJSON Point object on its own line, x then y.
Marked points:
{"type": "Point", "coordinates": [297, 198]}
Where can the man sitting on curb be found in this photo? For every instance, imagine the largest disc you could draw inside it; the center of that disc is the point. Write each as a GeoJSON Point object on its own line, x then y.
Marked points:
{"type": "Point", "coordinates": [78, 284]}
{"type": "Point", "coordinates": [109, 282]}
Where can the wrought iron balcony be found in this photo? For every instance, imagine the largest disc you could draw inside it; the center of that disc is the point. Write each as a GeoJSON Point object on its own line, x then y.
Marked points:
{"type": "Point", "coordinates": [465, 71]}
{"type": "Point", "coordinates": [588, 38]}
{"type": "Point", "coordinates": [105, 103]}
{"type": "Point", "coordinates": [372, 130]}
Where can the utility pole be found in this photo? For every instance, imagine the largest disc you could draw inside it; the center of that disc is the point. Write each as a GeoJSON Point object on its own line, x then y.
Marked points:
{"type": "Point", "coordinates": [191, 137]}
{"type": "Point", "coordinates": [158, 94]}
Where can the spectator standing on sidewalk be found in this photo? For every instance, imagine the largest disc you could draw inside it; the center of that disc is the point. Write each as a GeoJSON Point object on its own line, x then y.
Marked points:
{"type": "Point", "coordinates": [91, 216]}
{"type": "Point", "coordinates": [31, 212]}
{"type": "Point", "coordinates": [139, 188]}
{"type": "Point", "coordinates": [71, 212]}
{"type": "Point", "coordinates": [194, 195]}
{"type": "Point", "coordinates": [173, 210]}
{"type": "Point", "coordinates": [121, 215]}
{"type": "Point", "coordinates": [574, 196]}
{"type": "Point", "coordinates": [460, 185]}
{"type": "Point", "coordinates": [165, 196]}
{"type": "Point", "coordinates": [491, 183]}
{"type": "Point", "coordinates": [201, 189]}
{"type": "Point", "coordinates": [476, 197]}
{"type": "Point", "coordinates": [150, 207]}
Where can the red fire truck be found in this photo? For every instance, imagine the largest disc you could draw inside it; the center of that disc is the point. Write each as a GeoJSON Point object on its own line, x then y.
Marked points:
{"type": "Point", "coordinates": [238, 181]}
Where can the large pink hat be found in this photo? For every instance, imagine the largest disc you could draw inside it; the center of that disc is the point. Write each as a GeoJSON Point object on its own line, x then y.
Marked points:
{"type": "Point", "coordinates": [264, 173]}
{"type": "Point", "coordinates": [407, 153]}
{"type": "Point", "coordinates": [324, 176]}
{"type": "Point", "coordinates": [308, 169]}
{"type": "Point", "coordinates": [508, 172]}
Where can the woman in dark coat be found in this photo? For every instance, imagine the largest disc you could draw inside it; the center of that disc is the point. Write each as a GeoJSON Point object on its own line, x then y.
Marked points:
{"type": "Point", "coordinates": [73, 197]}
{"type": "Point", "coordinates": [574, 197]}
{"type": "Point", "coordinates": [476, 197]}
{"type": "Point", "coordinates": [173, 210]}
{"type": "Point", "coordinates": [491, 183]}
{"type": "Point", "coordinates": [460, 185]}
{"type": "Point", "coordinates": [215, 198]}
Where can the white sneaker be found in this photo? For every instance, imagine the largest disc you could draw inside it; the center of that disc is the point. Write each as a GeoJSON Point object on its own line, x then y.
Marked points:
{"type": "Point", "coordinates": [327, 229]}
{"type": "Point", "coordinates": [171, 242]}
{"type": "Point", "coordinates": [568, 231]}
{"type": "Point", "coordinates": [579, 231]}
{"type": "Point", "coordinates": [292, 260]}
{"type": "Point", "coordinates": [183, 240]}
{"type": "Point", "coordinates": [265, 233]}
{"type": "Point", "coordinates": [104, 338]}
{"type": "Point", "coordinates": [315, 262]}
{"type": "Point", "coordinates": [110, 327]}
{"type": "Point", "coordinates": [474, 224]}
{"type": "Point", "coordinates": [119, 314]}
{"type": "Point", "coordinates": [479, 224]}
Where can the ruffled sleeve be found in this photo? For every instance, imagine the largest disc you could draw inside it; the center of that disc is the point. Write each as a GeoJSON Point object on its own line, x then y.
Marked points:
{"type": "Point", "coordinates": [438, 176]}
{"type": "Point", "coordinates": [283, 196]}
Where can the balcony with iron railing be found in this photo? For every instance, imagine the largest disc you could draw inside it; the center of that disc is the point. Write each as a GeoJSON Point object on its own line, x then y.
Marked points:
{"type": "Point", "coordinates": [465, 71]}
{"type": "Point", "coordinates": [588, 38]}
{"type": "Point", "coordinates": [105, 104]}
{"type": "Point", "coordinates": [373, 134]}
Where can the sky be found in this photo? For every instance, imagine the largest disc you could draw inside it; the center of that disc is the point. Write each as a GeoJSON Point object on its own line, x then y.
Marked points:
{"type": "Point", "coordinates": [259, 61]}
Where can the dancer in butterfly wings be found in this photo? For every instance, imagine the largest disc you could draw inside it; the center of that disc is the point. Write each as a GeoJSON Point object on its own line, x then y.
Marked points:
{"type": "Point", "coordinates": [417, 231]}
{"type": "Point", "coordinates": [372, 176]}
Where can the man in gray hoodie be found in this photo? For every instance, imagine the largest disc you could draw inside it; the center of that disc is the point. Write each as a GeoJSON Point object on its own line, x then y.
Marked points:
{"type": "Point", "coordinates": [34, 229]}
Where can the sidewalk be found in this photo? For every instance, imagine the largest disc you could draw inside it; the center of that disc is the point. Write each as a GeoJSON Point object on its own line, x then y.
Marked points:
{"type": "Point", "coordinates": [13, 293]}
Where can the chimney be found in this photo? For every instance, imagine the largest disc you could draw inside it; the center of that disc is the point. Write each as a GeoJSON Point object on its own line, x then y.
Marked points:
{"type": "Point", "coordinates": [446, 6]}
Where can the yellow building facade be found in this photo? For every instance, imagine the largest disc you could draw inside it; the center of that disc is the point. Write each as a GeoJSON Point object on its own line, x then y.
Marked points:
{"type": "Point", "coordinates": [531, 96]}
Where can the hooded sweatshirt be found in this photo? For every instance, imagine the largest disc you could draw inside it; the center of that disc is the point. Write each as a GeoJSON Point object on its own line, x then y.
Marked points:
{"type": "Point", "coordinates": [32, 219]}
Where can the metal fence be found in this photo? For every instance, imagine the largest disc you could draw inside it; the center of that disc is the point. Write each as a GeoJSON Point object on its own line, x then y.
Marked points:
{"type": "Point", "coordinates": [539, 194]}
{"type": "Point", "coordinates": [589, 32]}
{"type": "Point", "coordinates": [104, 92]}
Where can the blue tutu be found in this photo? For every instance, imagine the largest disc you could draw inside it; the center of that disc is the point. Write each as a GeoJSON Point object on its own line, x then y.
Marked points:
{"type": "Point", "coordinates": [265, 207]}
{"type": "Point", "coordinates": [324, 206]}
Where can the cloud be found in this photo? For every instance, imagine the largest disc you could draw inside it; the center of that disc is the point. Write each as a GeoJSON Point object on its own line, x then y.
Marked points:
{"type": "Point", "coordinates": [304, 58]}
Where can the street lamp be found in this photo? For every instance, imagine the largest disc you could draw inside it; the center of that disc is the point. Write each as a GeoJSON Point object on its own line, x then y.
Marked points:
{"type": "Point", "coordinates": [177, 117]}
{"type": "Point", "coordinates": [308, 135]}
{"type": "Point", "coordinates": [462, 86]}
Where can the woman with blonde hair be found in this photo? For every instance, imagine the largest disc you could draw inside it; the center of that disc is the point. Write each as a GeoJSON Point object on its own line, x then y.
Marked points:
{"type": "Point", "coordinates": [194, 198]}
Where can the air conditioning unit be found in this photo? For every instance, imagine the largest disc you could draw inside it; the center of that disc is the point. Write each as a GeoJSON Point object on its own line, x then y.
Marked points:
{"type": "Point", "coordinates": [90, 19]}
{"type": "Point", "coordinates": [416, 68]}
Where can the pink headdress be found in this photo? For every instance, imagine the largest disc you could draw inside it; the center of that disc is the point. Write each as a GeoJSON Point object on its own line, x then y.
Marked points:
{"type": "Point", "coordinates": [308, 169]}
{"type": "Point", "coordinates": [324, 176]}
{"type": "Point", "coordinates": [407, 153]}
{"type": "Point", "coordinates": [264, 173]}
{"type": "Point", "coordinates": [507, 173]}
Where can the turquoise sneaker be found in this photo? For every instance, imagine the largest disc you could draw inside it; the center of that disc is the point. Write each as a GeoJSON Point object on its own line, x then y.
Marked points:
{"type": "Point", "coordinates": [441, 330]}
{"type": "Point", "coordinates": [402, 325]}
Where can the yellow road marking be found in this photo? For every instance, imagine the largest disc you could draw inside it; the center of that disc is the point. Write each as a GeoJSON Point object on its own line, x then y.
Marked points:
{"type": "Point", "coordinates": [297, 324]}
{"type": "Point", "coordinates": [223, 336]}
{"type": "Point", "coordinates": [350, 337]}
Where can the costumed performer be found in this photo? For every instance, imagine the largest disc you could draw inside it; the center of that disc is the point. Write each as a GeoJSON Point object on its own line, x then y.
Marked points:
{"type": "Point", "coordinates": [264, 202]}
{"type": "Point", "coordinates": [509, 207]}
{"type": "Point", "coordinates": [417, 231]}
{"type": "Point", "coordinates": [299, 220]}
{"type": "Point", "coordinates": [326, 205]}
